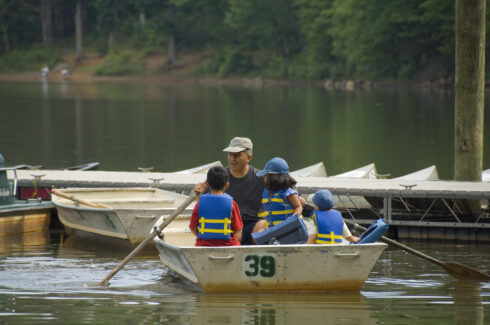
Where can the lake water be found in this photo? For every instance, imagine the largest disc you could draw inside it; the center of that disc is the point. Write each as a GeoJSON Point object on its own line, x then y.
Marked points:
{"type": "Point", "coordinates": [53, 280]}
{"type": "Point", "coordinates": [48, 278]}
{"type": "Point", "coordinates": [173, 127]}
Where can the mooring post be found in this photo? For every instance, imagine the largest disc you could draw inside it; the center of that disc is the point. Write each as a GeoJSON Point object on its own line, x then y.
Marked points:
{"type": "Point", "coordinates": [387, 209]}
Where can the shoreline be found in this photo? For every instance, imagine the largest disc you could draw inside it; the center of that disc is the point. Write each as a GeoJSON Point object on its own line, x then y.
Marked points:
{"type": "Point", "coordinates": [348, 85]}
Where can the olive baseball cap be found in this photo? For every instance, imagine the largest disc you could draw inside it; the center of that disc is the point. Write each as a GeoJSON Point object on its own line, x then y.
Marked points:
{"type": "Point", "coordinates": [238, 144]}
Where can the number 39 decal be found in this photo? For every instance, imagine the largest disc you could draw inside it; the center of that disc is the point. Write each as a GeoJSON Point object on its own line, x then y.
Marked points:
{"type": "Point", "coordinates": [259, 265]}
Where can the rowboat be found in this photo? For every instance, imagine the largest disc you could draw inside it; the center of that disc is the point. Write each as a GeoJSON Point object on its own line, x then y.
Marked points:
{"type": "Point", "coordinates": [121, 216]}
{"type": "Point", "coordinates": [28, 192]}
{"type": "Point", "coordinates": [20, 216]}
{"type": "Point", "coordinates": [272, 268]}
{"type": "Point", "coordinates": [316, 170]}
{"type": "Point", "coordinates": [485, 176]}
{"type": "Point", "coordinates": [410, 204]}
{"type": "Point", "coordinates": [427, 174]}
{"type": "Point", "coordinates": [25, 216]}
{"type": "Point", "coordinates": [356, 202]}
{"type": "Point", "coordinates": [87, 166]}
{"type": "Point", "coordinates": [365, 172]}
{"type": "Point", "coordinates": [203, 169]}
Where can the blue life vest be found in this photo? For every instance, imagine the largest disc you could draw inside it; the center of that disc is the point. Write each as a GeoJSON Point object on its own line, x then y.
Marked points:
{"type": "Point", "coordinates": [215, 216]}
{"type": "Point", "coordinates": [276, 207]}
{"type": "Point", "coordinates": [330, 225]}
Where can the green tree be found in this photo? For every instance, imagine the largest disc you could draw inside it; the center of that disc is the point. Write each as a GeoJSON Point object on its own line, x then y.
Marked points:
{"type": "Point", "coordinates": [314, 21]}
{"type": "Point", "coordinates": [266, 25]}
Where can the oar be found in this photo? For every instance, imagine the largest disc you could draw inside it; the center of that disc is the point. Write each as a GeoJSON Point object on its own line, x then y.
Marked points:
{"type": "Point", "coordinates": [75, 199]}
{"type": "Point", "coordinates": [156, 229]}
{"type": "Point", "coordinates": [459, 271]}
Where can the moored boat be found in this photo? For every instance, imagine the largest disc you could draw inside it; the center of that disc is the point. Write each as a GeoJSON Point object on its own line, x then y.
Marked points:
{"type": "Point", "coordinates": [35, 192]}
{"type": "Point", "coordinates": [485, 176]}
{"type": "Point", "coordinates": [87, 166]}
{"type": "Point", "coordinates": [20, 216]}
{"type": "Point", "coordinates": [427, 174]}
{"type": "Point", "coordinates": [364, 172]}
{"type": "Point", "coordinates": [409, 204]}
{"type": "Point", "coordinates": [122, 216]}
{"type": "Point", "coordinates": [316, 170]}
{"type": "Point", "coordinates": [356, 202]}
{"type": "Point", "coordinates": [203, 169]}
{"type": "Point", "coordinates": [272, 268]}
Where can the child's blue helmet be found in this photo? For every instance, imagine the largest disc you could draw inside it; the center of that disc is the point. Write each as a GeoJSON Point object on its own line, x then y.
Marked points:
{"type": "Point", "coordinates": [323, 199]}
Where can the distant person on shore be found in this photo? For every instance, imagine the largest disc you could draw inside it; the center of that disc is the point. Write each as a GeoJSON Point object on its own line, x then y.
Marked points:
{"type": "Point", "coordinates": [246, 187]}
{"type": "Point", "coordinates": [330, 226]}
{"type": "Point", "coordinates": [216, 219]}
{"type": "Point", "coordinates": [45, 71]}
{"type": "Point", "coordinates": [280, 198]}
{"type": "Point", "coordinates": [65, 74]}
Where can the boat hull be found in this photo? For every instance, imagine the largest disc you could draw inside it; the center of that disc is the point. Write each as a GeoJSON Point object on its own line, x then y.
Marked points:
{"type": "Point", "coordinates": [24, 218]}
{"type": "Point", "coordinates": [272, 268]}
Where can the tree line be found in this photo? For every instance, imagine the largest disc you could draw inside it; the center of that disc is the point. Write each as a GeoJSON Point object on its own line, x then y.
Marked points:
{"type": "Point", "coordinates": [295, 39]}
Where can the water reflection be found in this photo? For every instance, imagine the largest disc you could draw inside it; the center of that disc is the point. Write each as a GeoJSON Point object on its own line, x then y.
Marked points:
{"type": "Point", "coordinates": [55, 280]}
{"type": "Point", "coordinates": [468, 302]}
{"type": "Point", "coordinates": [270, 309]}
{"type": "Point", "coordinates": [24, 242]}
{"type": "Point", "coordinates": [174, 127]}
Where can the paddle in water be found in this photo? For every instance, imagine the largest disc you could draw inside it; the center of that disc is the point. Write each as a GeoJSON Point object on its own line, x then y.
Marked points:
{"type": "Point", "coordinates": [459, 271]}
{"type": "Point", "coordinates": [155, 231]}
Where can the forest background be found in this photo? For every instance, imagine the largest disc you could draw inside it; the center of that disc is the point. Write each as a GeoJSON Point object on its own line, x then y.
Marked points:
{"type": "Point", "coordinates": [368, 40]}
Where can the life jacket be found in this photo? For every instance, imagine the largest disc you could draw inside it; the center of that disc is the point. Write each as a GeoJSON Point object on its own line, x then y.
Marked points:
{"type": "Point", "coordinates": [276, 207]}
{"type": "Point", "coordinates": [215, 216]}
{"type": "Point", "coordinates": [330, 225]}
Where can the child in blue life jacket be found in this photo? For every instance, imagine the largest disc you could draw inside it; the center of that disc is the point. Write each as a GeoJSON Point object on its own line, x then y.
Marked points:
{"type": "Point", "coordinates": [280, 199]}
{"type": "Point", "coordinates": [330, 226]}
{"type": "Point", "coordinates": [216, 219]}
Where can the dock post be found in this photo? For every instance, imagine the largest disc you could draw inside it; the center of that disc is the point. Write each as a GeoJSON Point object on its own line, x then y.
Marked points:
{"type": "Point", "coordinates": [387, 209]}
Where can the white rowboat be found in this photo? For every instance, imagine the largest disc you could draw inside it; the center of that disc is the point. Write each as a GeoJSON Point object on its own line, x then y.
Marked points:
{"type": "Point", "coordinates": [128, 218]}
{"type": "Point", "coordinates": [356, 202]}
{"type": "Point", "coordinates": [203, 169]}
{"type": "Point", "coordinates": [272, 268]}
{"type": "Point", "coordinates": [365, 172]}
{"type": "Point", "coordinates": [316, 170]}
{"type": "Point", "coordinates": [485, 176]}
{"type": "Point", "coordinates": [426, 174]}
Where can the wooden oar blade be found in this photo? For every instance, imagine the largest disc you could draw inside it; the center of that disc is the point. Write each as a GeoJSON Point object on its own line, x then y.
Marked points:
{"type": "Point", "coordinates": [463, 272]}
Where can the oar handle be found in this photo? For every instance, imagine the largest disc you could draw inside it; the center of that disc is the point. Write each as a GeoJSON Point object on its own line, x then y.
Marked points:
{"type": "Point", "coordinates": [150, 237]}
{"type": "Point", "coordinates": [78, 200]}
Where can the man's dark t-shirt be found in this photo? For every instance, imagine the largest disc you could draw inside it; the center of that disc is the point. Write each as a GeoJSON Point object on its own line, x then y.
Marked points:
{"type": "Point", "coordinates": [247, 193]}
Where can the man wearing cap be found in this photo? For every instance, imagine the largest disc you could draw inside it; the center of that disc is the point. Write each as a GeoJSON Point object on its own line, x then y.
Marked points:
{"type": "Point", "coordinates": [246, 187]}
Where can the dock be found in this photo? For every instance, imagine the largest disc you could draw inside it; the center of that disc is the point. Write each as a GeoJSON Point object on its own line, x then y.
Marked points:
{"type": "Point", "coordinates": [433, 209]}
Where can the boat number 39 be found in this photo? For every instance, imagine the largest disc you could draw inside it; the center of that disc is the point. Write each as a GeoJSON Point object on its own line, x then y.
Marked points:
{"type": "Point", "coordinates": [263, 265]}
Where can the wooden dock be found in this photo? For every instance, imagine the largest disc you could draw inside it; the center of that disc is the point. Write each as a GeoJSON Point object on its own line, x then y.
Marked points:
{"type": "Point", "coordinates": [413, 209]}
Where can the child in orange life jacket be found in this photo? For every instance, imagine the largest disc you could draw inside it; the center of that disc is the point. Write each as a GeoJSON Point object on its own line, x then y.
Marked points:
{"type": "Point", "coordinates": [280, 199]}
{"type": "Point", "coordinates": [216, 219]}
{"type": "Point", "coordinates": [330, 226]}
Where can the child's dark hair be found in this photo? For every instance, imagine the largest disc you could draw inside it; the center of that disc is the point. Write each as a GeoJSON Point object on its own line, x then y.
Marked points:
{"type": "Point", "coordinates": [275, 182]}
{"type": "Point", "coordinates": [217, 177]}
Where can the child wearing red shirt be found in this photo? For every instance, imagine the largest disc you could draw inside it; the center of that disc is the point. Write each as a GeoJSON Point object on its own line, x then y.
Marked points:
{"type": "Point", "coordinates": [216, 219]}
